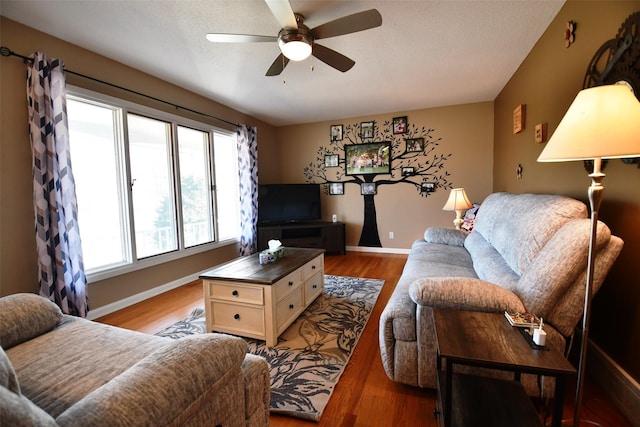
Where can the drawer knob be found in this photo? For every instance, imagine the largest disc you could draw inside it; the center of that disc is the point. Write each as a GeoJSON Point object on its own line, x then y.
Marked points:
{"type": "Point", "coordinates": [290, 283]}
{"type": "Point", "coordinates": [290, 306]}
{"type": "Point", "coordinates": [236, 316]}
{"type": "Point", "coordinates": [313, 267]}
{"type": "Point", "coordinates": [234, 293]}
{"type": "Point", "coordinates": [315, 286]}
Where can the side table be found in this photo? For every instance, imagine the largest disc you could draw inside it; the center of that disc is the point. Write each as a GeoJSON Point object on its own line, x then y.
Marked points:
{"type": "Point", "coordinates": [487, 340]}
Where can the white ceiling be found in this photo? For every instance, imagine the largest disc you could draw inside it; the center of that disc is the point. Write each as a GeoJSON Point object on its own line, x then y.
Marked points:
{"type": "Point", "coordinates": [426, 53]}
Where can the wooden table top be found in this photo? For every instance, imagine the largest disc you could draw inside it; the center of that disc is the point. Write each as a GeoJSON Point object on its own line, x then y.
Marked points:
{"type": "Point", "coordinates": [487, 339]}
{"type": "Point", "coordinates": [248, 268]}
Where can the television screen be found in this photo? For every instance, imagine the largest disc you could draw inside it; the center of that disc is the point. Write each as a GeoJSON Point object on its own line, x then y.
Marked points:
{"type": "Point", "coordinates": [368, 159]}
{"type": "Point", "coordinates": [283, 203]}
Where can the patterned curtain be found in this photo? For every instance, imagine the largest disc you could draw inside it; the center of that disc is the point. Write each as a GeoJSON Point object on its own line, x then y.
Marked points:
{"type": "Point", "coordinates": [248, 173]}
{"type": "Point", "coordinates": [60, 266]}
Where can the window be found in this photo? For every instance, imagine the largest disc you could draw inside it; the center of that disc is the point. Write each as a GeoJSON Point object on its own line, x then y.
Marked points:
{"type": "Point", "coordinates": [146, 184]}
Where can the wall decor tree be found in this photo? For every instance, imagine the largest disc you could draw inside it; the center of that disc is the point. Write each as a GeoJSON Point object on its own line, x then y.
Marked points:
{"type": "Point", "coordinates": [414, 160]}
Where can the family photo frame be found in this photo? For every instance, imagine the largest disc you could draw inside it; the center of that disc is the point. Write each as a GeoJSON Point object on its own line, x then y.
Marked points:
{"type": "Point", "coordinates": [335, 132]}
{"type": "Point", "coordinates": [415, 145]}
{"type": "Point", "coordinates": [331, 161]}
{"type": "Point", "coordinates": [399, 125]}
{"type": "Point", "coordinates": [367, 130]}
{"type": "Point", "coordinates": [368, 159]}
{"type": "Point", "coordinates": [336, 188]}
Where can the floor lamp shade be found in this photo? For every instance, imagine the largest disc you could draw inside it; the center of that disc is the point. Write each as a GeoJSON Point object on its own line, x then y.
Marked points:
{"type": "Point", "coordinates": [458, 202]}
{"type": "Point", "coordinates": [603, 122]}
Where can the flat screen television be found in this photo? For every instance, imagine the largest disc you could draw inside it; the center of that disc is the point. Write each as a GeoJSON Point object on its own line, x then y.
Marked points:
{"type": "Point", "coordinates": [286, 203]}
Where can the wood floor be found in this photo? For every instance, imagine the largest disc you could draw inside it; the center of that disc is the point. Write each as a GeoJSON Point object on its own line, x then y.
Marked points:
{"type": "Point", "coordinates": [364, 396]}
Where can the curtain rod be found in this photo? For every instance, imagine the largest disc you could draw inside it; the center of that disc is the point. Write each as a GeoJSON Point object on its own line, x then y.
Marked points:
{"type": "Point", "coordinates": [5, 51]}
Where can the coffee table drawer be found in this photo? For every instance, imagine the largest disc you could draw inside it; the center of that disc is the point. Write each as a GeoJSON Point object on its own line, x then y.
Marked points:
{"type": "Point", "coordinates": [236, 293]}
{"type": "Point", "coordinates": [288, 309]}
{"type": "Point", "coordinates": [312, 288]}
{"type": "Point", "coordinates": [287, 284]}
{"type": "Point", "coordinates": [313, 266]}
{"type": "Point", "coordinates": [236, 317]}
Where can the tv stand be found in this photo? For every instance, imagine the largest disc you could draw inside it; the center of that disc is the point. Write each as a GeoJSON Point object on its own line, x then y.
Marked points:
{"type": "Point", "coordinates": [329, 236]}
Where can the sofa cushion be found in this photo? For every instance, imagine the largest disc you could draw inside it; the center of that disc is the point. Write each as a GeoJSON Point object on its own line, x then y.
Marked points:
{"type": "Point", "coordinates": [564, 258]}
{"type": "Point", "coordinates": [25, 316]}
{"type": "Point", "coordinates": [8, 378]}
{"type": "Point", "coordinates": [518, 225]}
{"type": "Point", "coordinates": [73, 367]}
{"type": "Point", "coordinates": [489, 264]}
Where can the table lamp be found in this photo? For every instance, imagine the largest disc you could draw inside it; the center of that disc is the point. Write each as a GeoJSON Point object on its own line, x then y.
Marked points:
{"type": "Point", "coordinates": [459, 202]}
{"type": "Point", "coordinates": [603, 122]}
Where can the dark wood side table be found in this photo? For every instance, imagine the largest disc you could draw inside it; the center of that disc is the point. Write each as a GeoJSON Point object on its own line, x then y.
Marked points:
{"type": "Point", "coordinates": [487, 340]}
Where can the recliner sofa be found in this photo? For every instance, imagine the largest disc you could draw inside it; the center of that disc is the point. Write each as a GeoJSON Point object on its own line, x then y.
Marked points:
{"type": "Point", "coordinates": [526, 252]}
{"type": "Point", "coordinates": [60, 370]}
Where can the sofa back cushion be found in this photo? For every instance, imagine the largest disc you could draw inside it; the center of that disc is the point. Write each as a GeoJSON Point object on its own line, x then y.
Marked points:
{"type": "Point", "coordinates": [25, 316]}
{"type": "Point", "coordinates": [517, 226]}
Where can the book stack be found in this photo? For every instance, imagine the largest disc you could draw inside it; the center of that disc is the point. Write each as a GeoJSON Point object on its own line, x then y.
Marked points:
{"type": "Point", "coordinates": [522, 320]}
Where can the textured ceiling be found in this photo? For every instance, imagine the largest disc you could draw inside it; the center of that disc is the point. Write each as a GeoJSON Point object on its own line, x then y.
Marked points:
{"type": "Point", "coordinates": [426, 53]}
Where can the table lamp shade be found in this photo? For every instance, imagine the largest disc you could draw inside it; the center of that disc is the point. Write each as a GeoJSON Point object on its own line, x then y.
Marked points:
{"type": "Point", "coordinates": [602, 122]}
{"type": "Point", "coordinates": [458, 200]}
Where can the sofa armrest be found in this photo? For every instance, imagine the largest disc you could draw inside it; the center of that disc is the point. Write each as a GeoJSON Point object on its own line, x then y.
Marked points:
{"type": "Point", "coordinates": [444, 236]}
{"type": "Point", "coordinates": [257, 389]}
{"type": "Point", "coordinates": [170, 387]}
{"type": "Point", "coordinates": [464, 293]}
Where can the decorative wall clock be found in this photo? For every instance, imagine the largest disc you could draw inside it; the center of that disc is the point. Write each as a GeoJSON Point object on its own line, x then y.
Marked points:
{"type": "Point", "coordinates": [616, 61]}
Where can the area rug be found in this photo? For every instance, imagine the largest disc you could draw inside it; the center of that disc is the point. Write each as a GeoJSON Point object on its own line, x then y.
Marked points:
{"type": "Point", "coordinates": [313, 352]}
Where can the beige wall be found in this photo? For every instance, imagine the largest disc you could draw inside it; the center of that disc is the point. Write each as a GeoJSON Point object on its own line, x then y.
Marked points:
{"type": "Point", "coordinates": [547, 82]}
{"type": "Point", "coordinates": [466, 132]}
{"type": "Point", "coordinates": [18, 268]}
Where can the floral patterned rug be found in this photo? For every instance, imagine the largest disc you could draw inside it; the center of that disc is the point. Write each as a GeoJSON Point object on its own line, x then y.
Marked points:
{"type": "Point", "coordinates": [312, 353]}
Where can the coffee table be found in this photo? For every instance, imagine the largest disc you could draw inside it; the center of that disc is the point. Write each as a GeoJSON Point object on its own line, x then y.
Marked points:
{"type": "Point", "coordinates": [243, 297]}
{"type": "Point", "coordinates": [487, 340]}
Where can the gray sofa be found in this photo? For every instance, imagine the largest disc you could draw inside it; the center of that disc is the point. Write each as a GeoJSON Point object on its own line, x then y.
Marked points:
{"type": "Point", "coordinates": [66, 371]}
{"type": "Point", "coordinates": [526, 252]}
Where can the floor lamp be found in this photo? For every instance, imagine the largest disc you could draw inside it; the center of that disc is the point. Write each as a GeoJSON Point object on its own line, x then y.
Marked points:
{"type": "Point", "coordinates": [603, 122]}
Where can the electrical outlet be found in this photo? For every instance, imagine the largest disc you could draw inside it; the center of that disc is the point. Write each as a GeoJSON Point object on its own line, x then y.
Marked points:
{"type": "Point", "coordinates": [391, 235]}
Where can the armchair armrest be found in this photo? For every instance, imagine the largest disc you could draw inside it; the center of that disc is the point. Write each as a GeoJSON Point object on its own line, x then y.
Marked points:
{"type": "Point", "coordinates": [170, 387]}
{"type": "Point", "coordinates": [463, 293]}
{"type": "Point", "coordinates": [444, 236]}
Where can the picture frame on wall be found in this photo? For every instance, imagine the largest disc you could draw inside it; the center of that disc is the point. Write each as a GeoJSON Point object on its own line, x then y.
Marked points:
{"type": "Point", "coordinates": [336, 188]}
{"type": "Point", "coordinates": [370, 158]}
{"type": "Point", "coordinates": [368, 188]}
{"type": "Point", "coordinates": [399, 125]}
{"type": "Point", "coordinates": [331, 161]}
{"type": "Point", "coordinates": [335, 132]}
{"type": "Point", "coordinates": [415, 145]}
{"type": "Point", "coordinates": [427, 187]}
{"type": "Point", "coordinates": [367, 130]}
{"type": "Point", "coordinates": [408, 171]}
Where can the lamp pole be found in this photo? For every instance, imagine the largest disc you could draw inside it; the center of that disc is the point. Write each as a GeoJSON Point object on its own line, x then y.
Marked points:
{"type": "Point", "coordinates": [596, 194]}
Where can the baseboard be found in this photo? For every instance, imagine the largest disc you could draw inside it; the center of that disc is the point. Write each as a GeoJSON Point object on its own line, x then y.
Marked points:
{"type": "Point", "coordinates": [620, 387]}
{"type": "Point", "coordinates": [378, 250]}
{"type": "Point", "coordinates": [134, 299]}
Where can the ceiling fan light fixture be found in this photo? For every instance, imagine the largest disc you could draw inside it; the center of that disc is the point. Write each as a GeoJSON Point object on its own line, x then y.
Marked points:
{"type": "Point", "coordinates": [295, 50]}
{"type": "Point", "coordinates": [295, 44]}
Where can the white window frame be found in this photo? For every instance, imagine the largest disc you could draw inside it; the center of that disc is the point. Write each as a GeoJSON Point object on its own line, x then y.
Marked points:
{"type": "Point", "coordinates": [126, 107]}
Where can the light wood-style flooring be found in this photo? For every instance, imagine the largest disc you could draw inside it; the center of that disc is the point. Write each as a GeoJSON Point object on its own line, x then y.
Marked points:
{"type": "Point", "coordinates": [364, 396]}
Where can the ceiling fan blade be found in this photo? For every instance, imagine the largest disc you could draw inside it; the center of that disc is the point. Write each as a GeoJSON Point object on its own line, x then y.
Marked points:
{"type": "Point", "coordinates": [348, 24]}
{"type": "Point", "coordinates": [283, 12]}
{"type": "Point", "coordinates": [332, 58]}
{"type": "Point", "coordinates": [238, 38]}
{"type": "Point", "coordinates": [277, 66]}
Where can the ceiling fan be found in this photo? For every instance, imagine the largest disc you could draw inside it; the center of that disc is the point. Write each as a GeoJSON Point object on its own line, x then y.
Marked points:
{"type": "Point", "coordinates": [297, 41]}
